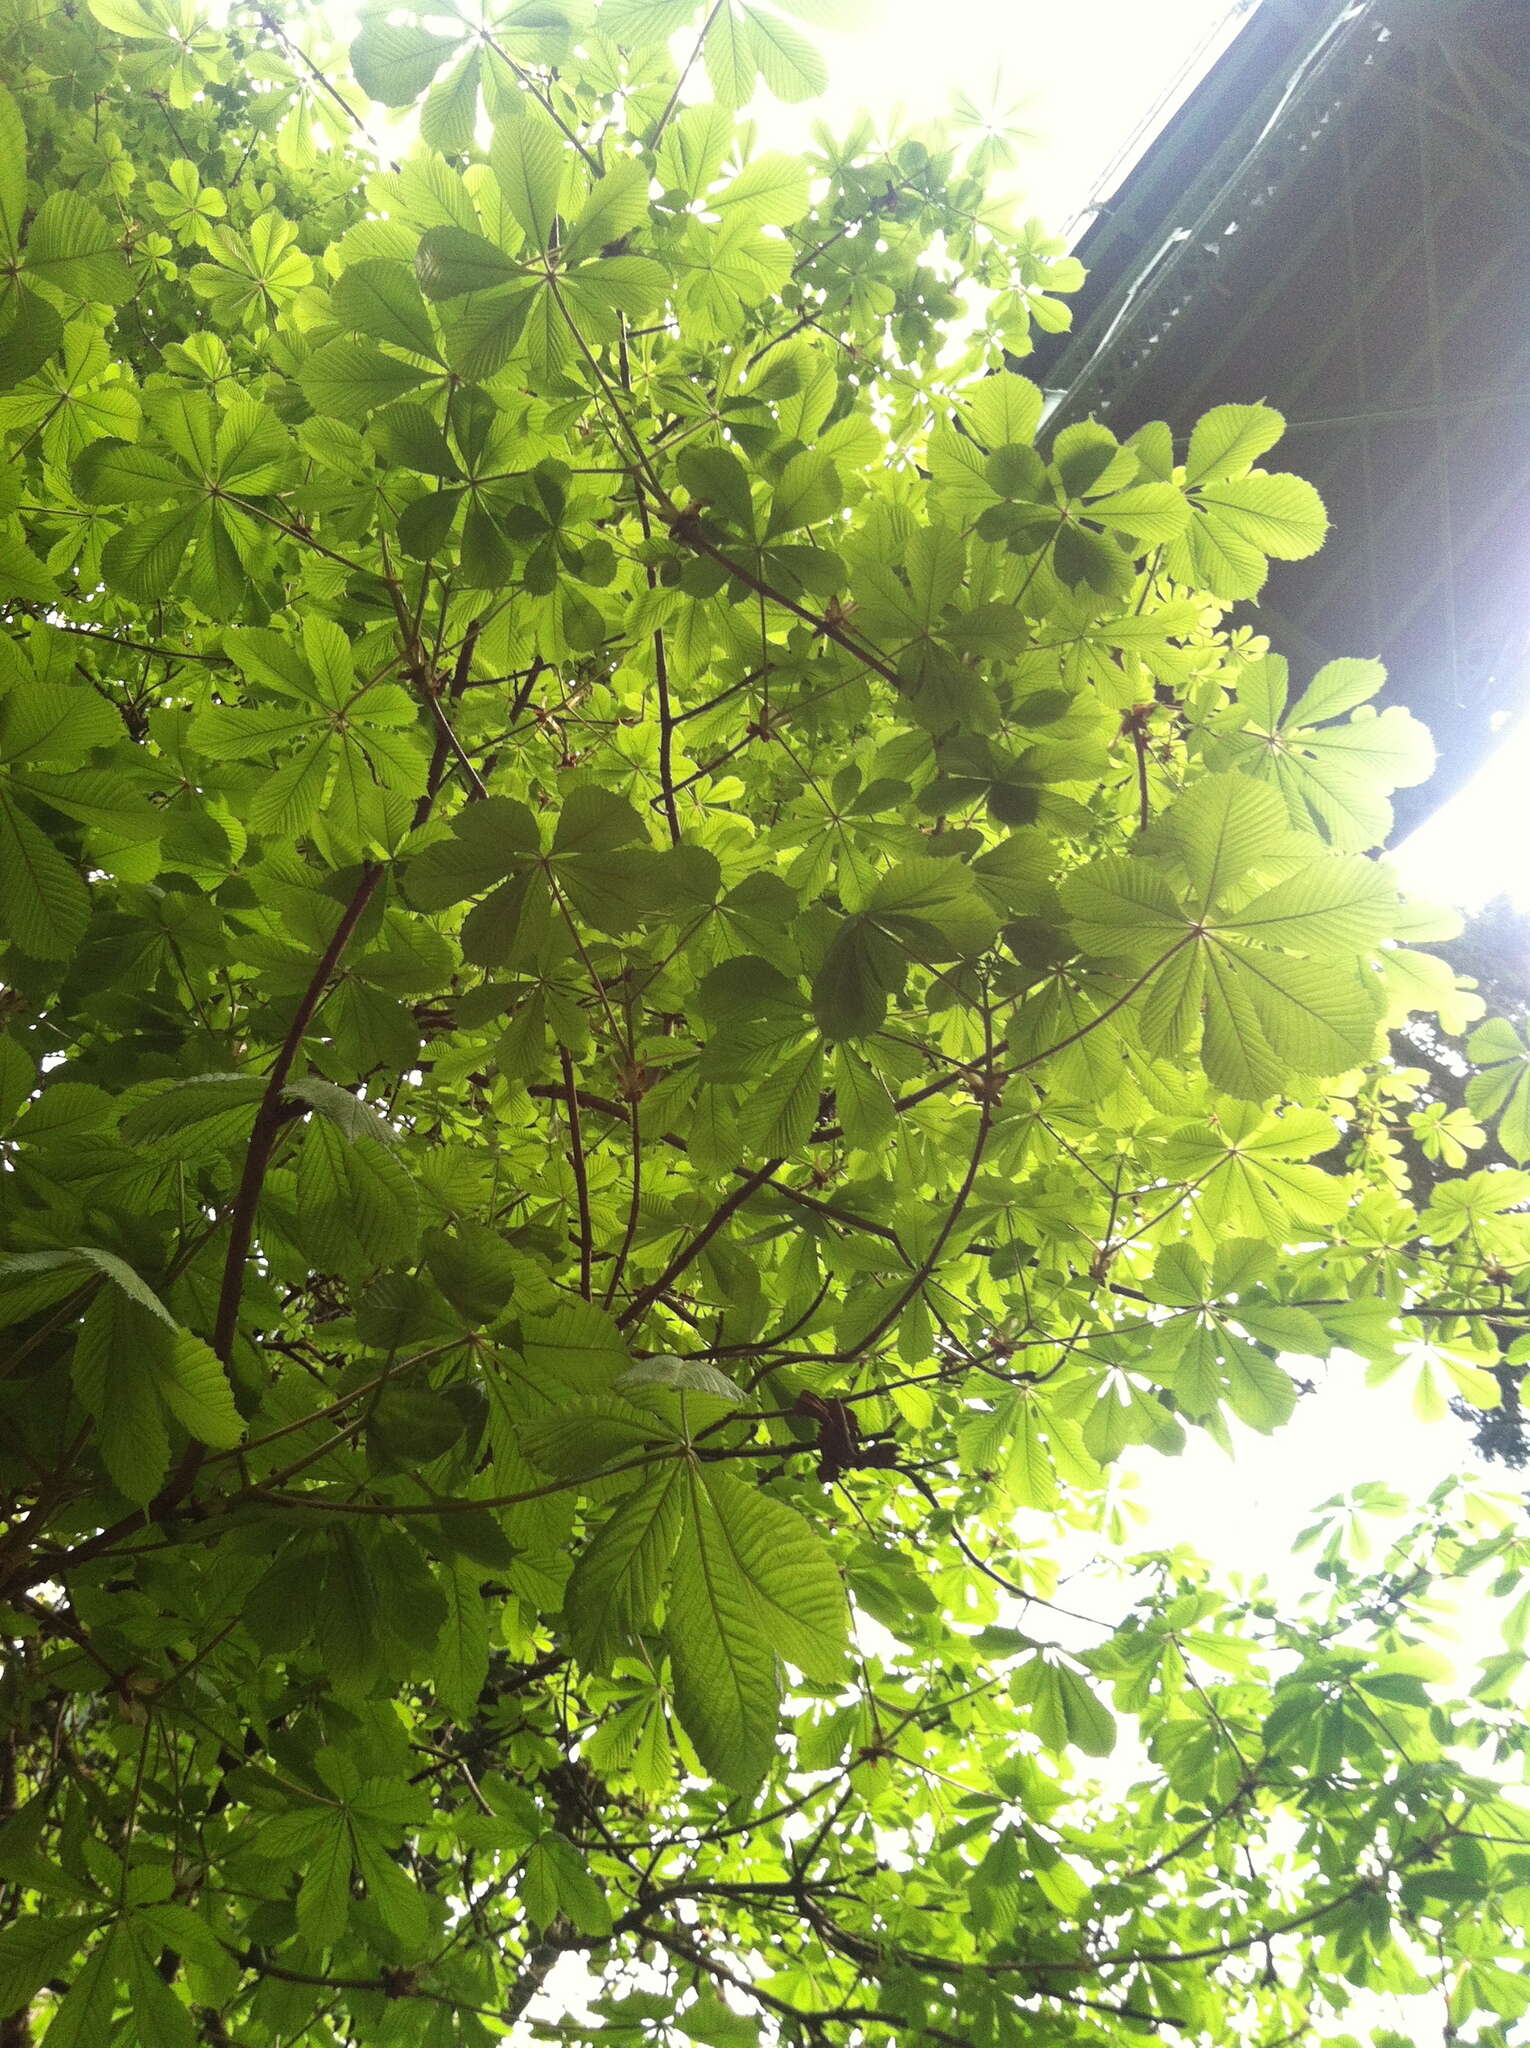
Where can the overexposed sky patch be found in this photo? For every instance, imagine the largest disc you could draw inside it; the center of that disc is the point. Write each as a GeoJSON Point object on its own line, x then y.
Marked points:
{"type": "Point", "coordinates": [1086, 76]}
{"type": "Point", "coordinates": [1477, 845]}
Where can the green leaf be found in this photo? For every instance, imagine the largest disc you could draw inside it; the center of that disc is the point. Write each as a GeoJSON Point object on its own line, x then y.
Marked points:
{"type": "Point", "coordinates": [450, 112]}
{"type": "Point", "coordinates": [715, 477]}
{"type": "Point", "coordinates": [324, 1895]}
{"type": "Point", "coordinates": [83, 2016]}
{"type": "Point", "coordinates": [577, 1348]}
{"type": "Point", "coordinates": [44, 905]}
{"type": "Point", "coordinates": [726, 1676]}
{"type": "Point", "coordinates": [144, 559]}
{"type": "Point", "coordinates": [1063, 1708]}
{"type": "Point", "coordinates": [357, 1119]}
{"type": "Point", "coordinates": [1279, 515]}
{"type": "Point", "coordinates": [789, 1570]}
{"type": "Point", "coordinates": [1005, 410]}
{"type": "Point", "coordinates": [197, 1118]}
{"type": "Point", "coordinates": [13, 174]}
{"type": "Point", "coordinates": [528, 160]}
{"type": "Point", "coordinates": [72, 249]}
{"type": "Point", "coordinates": [616, 207]}
{"type": "Point", "coordinates": [728, 50]}
{"type": "Point", "coordinates": [684, 1376]}
{"type": "Point", "coordinates": [193, 1386]}
{"type": "Point", "coordinates": [788, 62]}
{"type": "Point", "coordinates": [118, 1391]}
{"type": "Point", "coordinates": [771, 191]}
{"type": "Point", "coordinates": [1148, 514]}
{"type": "Point", "coordinates": [1502, 1088]}
{"type": "Point", "coordinates": [557, 1881]}
{"type": "Point", "coordinates": [851, 989]}
{"type": "Point", "coordinates": [1341, 904]}
{"type": "Point", "coordinates": [1123, 905]}
{"type": "Point", "coordinates": [593, 1436]}
{"type": "Point", "coordinates": [348, 378]}
{"type": "Point", "coordinates": [1222, 827]}
{"type": "Point", "coordinates": [490, 840]}
{"type": "Point", "coordinates": [783, 1106]}
{"type": "Point", "coordinates": [349, 1614]}
{"type": "Point", "coordinates": [462, 1652]}
{"type": "Point", "coordinates": [1269, 1017]}
{"type": "Point", "coordinates": [91, 1259]}
{"type": "Point", "coordinates": [33, 334]}
{"type": "Point", "coordinates": [452, 261]}
{"type": "Point", "coordinates": [1338, 686]}
{"type": "Point", "coordinates": [395, 63]}
{"type": "Point", "coordinates": [622, 1571]}
{"type": "Point", "coordinates": [34, 1949]}
{"type": "Point", "coordinates": [933, 907]}
{"type": "Point", "coordinates": [1227, 441]}
{"type": "Point", "coordinates": [356, 1202]}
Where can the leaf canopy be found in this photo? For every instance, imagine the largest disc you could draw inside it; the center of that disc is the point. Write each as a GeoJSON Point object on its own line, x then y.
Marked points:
{"type": "Point", "coordinates": [666, 987]}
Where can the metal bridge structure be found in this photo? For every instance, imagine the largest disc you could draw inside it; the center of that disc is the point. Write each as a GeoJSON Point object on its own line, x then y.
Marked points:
{"type": "Point", "coordinates": [1336, 220]}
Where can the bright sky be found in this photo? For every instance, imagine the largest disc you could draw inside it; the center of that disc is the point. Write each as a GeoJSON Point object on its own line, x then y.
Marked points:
{"type": "Point", "coordinates": [1086, 73]}
{"type": "Point", "coordinates": [1477, 846]}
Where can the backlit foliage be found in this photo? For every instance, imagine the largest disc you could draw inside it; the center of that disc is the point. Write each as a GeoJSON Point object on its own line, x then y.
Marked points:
{"type": "Point", "coordinates": [662, 986]}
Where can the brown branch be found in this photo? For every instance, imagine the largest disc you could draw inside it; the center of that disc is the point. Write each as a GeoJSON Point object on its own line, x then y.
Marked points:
{"type": "Point", "coordinates": [666, 733]}
{"type": "Point", "coordinates": [634, 1207]}
{"type": "Point", "coordinates": [581, 1177]}
{"type": "Point", "coordinates": [694, 1246]}
{"type": "Point", "coordinates": [446, 738]}
{"type": "Point", "coordinates": [270, 22]}
{"type": "Point", "coordinates": [544, 101]}
{"type": "Point", "coordinates": [663, 121]}
{"type": "Point", "coordinates": [271, 1115]}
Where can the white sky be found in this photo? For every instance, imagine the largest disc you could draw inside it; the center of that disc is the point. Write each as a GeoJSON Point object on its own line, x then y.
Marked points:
{"type": "Point", "coordinates": [1088, 73]}
{"type": "Point", "coordinates": [1477, 846]}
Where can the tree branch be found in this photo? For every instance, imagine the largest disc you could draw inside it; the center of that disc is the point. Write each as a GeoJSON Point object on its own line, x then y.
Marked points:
{"type": "Point", "coordinates": [581, 1177]}
{"type": "Point", "coordinates": [644, 1300]}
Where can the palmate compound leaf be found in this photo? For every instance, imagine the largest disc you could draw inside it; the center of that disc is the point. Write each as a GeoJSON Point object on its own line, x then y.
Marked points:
{"type": "Point", "coordinates": [1336, 779]}
{"type": "Point", "coordinates": [1251, 1175]}
{"type": "Point", "coordinates": [1064, 1709]}
{"type": "Point", "coordinates": [1501, 1089]}
{"type": "Point", "coordinates": [1284, 982]}
{"type": "Point", "coordinates": [752, 1585]}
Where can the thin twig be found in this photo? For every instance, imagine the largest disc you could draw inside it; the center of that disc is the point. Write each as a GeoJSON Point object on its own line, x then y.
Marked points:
{"type": "Point", "coordinates": [581, 1177]}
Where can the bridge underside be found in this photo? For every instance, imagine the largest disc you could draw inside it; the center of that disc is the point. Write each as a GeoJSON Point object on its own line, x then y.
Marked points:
{"type": "Point", "coordinates": [1338, 221]}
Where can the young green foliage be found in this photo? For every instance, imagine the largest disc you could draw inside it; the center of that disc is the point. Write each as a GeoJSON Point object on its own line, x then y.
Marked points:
{"type": "Point", "coordinates": [655, 966]}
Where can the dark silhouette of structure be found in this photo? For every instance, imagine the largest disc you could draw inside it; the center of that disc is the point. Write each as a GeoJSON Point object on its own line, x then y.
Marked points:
{"type": "Point", "coordinates": [1337, 221]}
